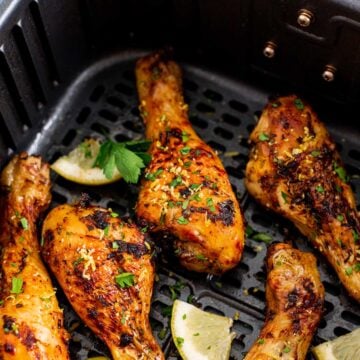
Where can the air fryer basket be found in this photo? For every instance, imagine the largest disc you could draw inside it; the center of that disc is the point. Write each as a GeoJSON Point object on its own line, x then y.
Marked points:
{"type": "Point", "coordinates": [96, 95]}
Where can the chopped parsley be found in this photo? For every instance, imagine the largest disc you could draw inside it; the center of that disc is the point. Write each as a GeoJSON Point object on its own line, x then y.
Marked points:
{"type": "Point", "coordinates": [175, 182]}
{"type": "Point", "coordinates": [287, 349]}
{"type": "Point", "coordinates": [153, 176]}
{"type": "Point", "coordinates": [185, 150]}
{"type": "Point", "coordinates": [348, 271]}
{"type": "Point", "coordinates": [85, 147]}
{"type": "Point", "coordinates": [182, 221]}
{"type": "Point", "coordinates": [357, 267]}
{"type": "Point", "coordinates": [210, 204]}
{"type": "Point", "coordinates": [185, 204]}
{"type": "Point", "coordinates": [187, 164]}
{"type": "Point", "coordinates": [340, 218]}
{"type": "Point", "coordinates": [106, 230]}
{"type": "Point", "coordinates": [16, 285]}
{"type": "Point", "coordinates": [179, 341]}
{"type": "Point", "coordinates": [355, 235]}
{"type": "Point", "coordinates": [201, 257]}
{"type": "Point", "coordinates": [184, 317]}
{"type": "Point", "coordinates": [114, 214]}
{"type": "Point", "coordinates": [162, 333]}
{"type": "Point", "coordinates": [299, 104]}
{"type": "Point", "coordinates": [261, 341]}
{"type": "Point", "coordinates": [196, 334]}
{"type": "Point", "coordinates": [175, 290]}
{"type": "Point", "coordinates": [166, 311]}
{"type": "Point", "coordinates": [266, 238]}
{"type": "Point", "coordinates": [249, 231]}
{"type": "Point", "coordinates": [275, 104]}
{"type": "Point", "coordinates": [264, 137]}
{"type": "Point", "coordinates": [319, 189]}
{"type": "Point", "coordinates": [284, 196]}
{"type": "Point", "coordinates": [24, 223]}
{"type": "Point", "coordinates": [195, 186]}
{"type": "Point", "coordinates": [184, 136]}
{"type": "Point", "coordinates": [315, 153]}
{"type": "Point", "coordinates": [114, 245]}
{"type": "Point", "coordinates": [125, 279]}
{"type": "Point", "coordinates": [341, 172]}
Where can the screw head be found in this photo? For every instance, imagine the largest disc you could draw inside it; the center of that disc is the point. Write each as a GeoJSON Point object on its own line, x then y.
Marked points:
{"type": "Point", "coordinates": [305, 18]}
{"type": "Point", "coordinates": [269, 50]}
{"type": "Point", "coordinates": [329, 73]}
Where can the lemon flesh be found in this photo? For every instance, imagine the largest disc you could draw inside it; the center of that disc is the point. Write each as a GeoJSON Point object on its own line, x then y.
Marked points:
{"type": "Point", "coordinates": [346, 347]}
{"type": "Point", "coordinates": [78, 165]}
{"type": "Point", "coordinates": [200, 335]}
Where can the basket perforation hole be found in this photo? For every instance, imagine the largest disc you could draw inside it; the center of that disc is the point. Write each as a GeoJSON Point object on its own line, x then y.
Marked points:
{"type": "Point", "coordinates": [69, 137]}
{"type": "Point", "coordinates": [339, 146]}
{"type": "Point", "coordinates": [242, 327]}
{"type": "Point", "coordinates": [236, 346]}
{"type": "Point", "coordinates": [322, 323]}
{"type": "Point", "coordinates": [262, 220]}
{"type": "Point", "coordinates": [58, 198]}
{"type": "Point", "coordinates": [261, 276]}
{"type": "Point", "coordinates": [212, 310]}
{"type": "Point", "coordinates": [205, 108]}
{"type": "Point", "coordinates": [235, 172]}
{"type": "Point", "coordinates": [213, 95]}
{"type": "Point", "coordinates": [94, 196]}
{"type": "Point", "coordinates": [351, 317]}
{"type": "Point", "coordinates": [328, 307]}
{"type": "Point", "coordinates": [121, 137]}
{"type": "Point", "coordinates": [331, 288]}
{"type": "Point", "coordinates": [129, 75]}
{"type": "Point", "coordinates": [116, 207]}
{"type": "Point", "coordinates": [216, 146]}
{"type": "Point", "coordinates": [244, 142]}
{"type": "Point", "coordinates": [249, 252]}
{"type": "Point", "coordinates": [161, 308]}
{"type": "Point", "coordinates": [250, 128]}
{"type": "Point", "coordinates": [339, 331]}
{"type": "Point", "coordinates": [231, 120]}
{"type": "Point", "coordinates": [108, 115]}
{"type": "Point", "coordinates": [354, 154]}
{"type": "Point", "coordinates": [97, 93]}
{"type": "Point", "coordinates": [190, 85]}
{"type": "Point", "coordinates": [116, 102]}
{"type": "Point", "coordinates": [100, 128]}
{"type": "Point", "coordinates": [124, 89]}
{"type": "Point", "coordinates": [238, 106]}
{"type": "Point", "coordinates": [257, 115]}
{"type": "Point", "coordinates": [136, 126]}
{"type": "Point", "coordinates": [83, 115]}
{"type": "Point", "coordinates": [5, 134]}
{"type": "Point", "coordinates": [225, 134]}
{"type": "Point", "coordinates": [257, 293]}
{"type": "Point", "coordinates": [198, 122]}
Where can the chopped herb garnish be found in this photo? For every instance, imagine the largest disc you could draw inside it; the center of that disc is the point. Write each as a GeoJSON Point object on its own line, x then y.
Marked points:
{"type": "Point", "coordinates": [125, 279]}
{"type": "Point", "coordinates": [299, 104]}
{"type": "Point", "coordinates": [194, 186]}
{"type": "Point", "coordinates": [162, 333]}
{"type": "Point", "coordinates": [357, 267]}
{"type": "Point", "coordinates": [261, 341]}
{"type": "Point", "coordinates": [355, 235]}
{"type": "Point", "coordinates": [218, 284]}
{"type": "Point", "coordinates": [106, 230]}
{"type": "Point", "coordinates": [340, 218]}
{"type": "Point", "coordinates": [184, 136]}
{"type": "Point", "coordinates": [175, 290]}
{"type": "Point", "coordinates": [184, 317]}
{"type": "Point", "coordinates": [338, 188]}
{"type": "Point", "coordinates": [166, 311]}
{"type": "Point", "coordinates": [144, 229]}
{"type": "Point", "coordinates": [175, 182]}
{"type": "Point", "coordinates": [154, 175]}
{"type": "Point", "coordinates": [114, 245]}
{"type": "Point", "coordinates": [42, 241]}
{"type": "Point", "coordinates": [287, 349]}
{"type": "Point", "coordinates": [78, 261]}
{"type": "Point", "coordinates": [275, 104]}
{"type": "Point", "coordinates": [182, 221]}
{"type": "Point", "coordinates": [315, 153]}
{"type": "Point", "coordinates": [196, 334]}
{"type": "Point", "coordinates": [340, 243]}
{"type": "Point", "coordinates": [284, 196]}
{"type": "Point", "coordinates": [196, 197]}
{"type": "Point", "coordinates": [171, 204]}
{"type": "Point", "coordinates": [201, 257]}
{"type": "Point", "coordinates": [128, 157]}
{"type": "Point", "coordinates": [348, 271]}
{"type": "Point", "coordinates": [249, 231]}
{"type": "Point", "coordinates": [24, 223]}
{"type": "Point", "coordinates": [185, 150]}
{"type": "Point", "coordinates": [16, 285]}
{"type": "Point", "coordinates": [114, 214]}
{"type": "Point", "coordinates": [86, 149]}
{"type": "Point", "coordinates": [264, 137]}
{"type": "Point", "coordinates": [319, 189]}
{"type": "Point", "coordinates": [187, 164]}
{"type": "Point", "coordinates": [266, 238]}
{"type": "Point", "coordinates": [210, 204]}
{"type": "Point", "coordinates": [185, 204]}
{"type": "Point", "coordinates": [179, 341]}
{"type": "Point", "coordinates": [123, 318]}
{"type": "Point", "coordinates": [341, 172]}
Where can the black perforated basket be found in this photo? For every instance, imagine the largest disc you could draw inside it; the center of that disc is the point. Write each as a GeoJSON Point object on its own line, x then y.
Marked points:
{"type": "Point", "coordinates": [67, 72]}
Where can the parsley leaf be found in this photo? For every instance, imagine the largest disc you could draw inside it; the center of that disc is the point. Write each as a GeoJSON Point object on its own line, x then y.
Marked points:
{"type": "Point", "coordinates": [24, 223]}
{"type": "Point", "coordinates": [299, 104]}
{"type": "Point", "coordinates": [341, 172]}
{"type": "Point", "coordinates": [125, 279]}
{"type": "Point", "coordinates": [264, 137]}
{"type": "Point", "coordinates": [16, 285]}
{"type": "Point", "coordinates": [128, 157]}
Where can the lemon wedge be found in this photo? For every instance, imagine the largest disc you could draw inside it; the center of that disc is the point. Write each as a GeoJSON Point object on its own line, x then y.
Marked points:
{"type": "Point", "coordinates": [200, 335]}
{"type": "Point", "coordinates": [346, 347]}
{"type": "Point", "coordinates": [78, 165]}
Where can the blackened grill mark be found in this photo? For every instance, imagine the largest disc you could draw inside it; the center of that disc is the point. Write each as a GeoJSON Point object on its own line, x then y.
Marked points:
{"type": "Point", "coordinates": [28, 338]}
{"type": "Point", "coordinates": [9, 348]}
{"type": "Point", "coordinates": [49, 236]}
{"type": "Point", "coordinates": [137, 250]}
{"type": "Point", "coordinates": [9, 322]}
{"type": "Point", "coordinates": [125, 339]}
{"type": "Point", "coordinates": [185, 192]}
{"type": "Point", "coordinates": [85, 200]}
{"type": "Point", "coordinates": [92, 313]}
{"type": "Point", "coordinates": [226, 212]}
{"type": "Point", "coordinates": [99, 219]}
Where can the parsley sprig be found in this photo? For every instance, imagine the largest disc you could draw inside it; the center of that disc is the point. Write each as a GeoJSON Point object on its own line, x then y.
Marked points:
{"type": "Point", "coordinates": [128, 157]}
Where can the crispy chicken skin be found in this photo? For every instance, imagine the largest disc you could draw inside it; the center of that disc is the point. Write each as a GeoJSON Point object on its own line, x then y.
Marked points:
{"type": "Point", "coordinates": [104, 268]}
{"type": "Point", "coordinates": [294, 300]}
{"type": "Point", "coordinates": [186, 196]}
{"type": "Point", "coordinates": [31, 322]}
{"type": "Point", "coordinates": [295, 170]}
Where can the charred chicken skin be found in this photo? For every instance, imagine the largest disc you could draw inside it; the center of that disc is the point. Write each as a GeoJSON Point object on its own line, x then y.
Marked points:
{"type": "Point", "coordinates": [294, 300]}
{"type": "Point", "coordinates": [31, 322]}
{"type": "Point", "coordinates": [104, 268]}
{"type": "Point", "coordinates": [186, 196]}
{"type": "Point", "coordinates": [295, 170]}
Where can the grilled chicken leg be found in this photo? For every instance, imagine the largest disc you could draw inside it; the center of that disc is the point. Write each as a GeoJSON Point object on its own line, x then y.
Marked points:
{"type": "Point", "coordinates": [295, 170]}
{"type": "Point", "coordinates": [31, 322]}
{"type": "Point", "coordinates": [186, 195]}
{"type": "Point", "coordinates": [294, 299]}
{"type": "Point", "coordinates": [105, 270]}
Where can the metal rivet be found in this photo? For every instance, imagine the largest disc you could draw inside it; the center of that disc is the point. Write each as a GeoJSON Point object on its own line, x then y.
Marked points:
{"type": "Point", "coordinates": [329, 73]}
{"type": "Point", "coordinates": [305, 18]}
{"type": "Point", "coordinates": [269, 49]}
